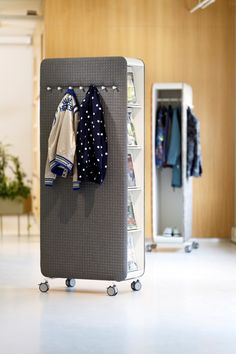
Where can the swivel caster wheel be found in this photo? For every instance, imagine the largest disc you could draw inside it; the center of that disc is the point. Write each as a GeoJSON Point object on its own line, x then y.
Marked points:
{"type": "Point", "coordinates": [148, 248]}
{"type": "Point", "coordinates": [188, 249]}
{"type": "Point", "coordinates": [70, 283]}
{"type": "Point", "coordinates": [136, 285]}
{"type": "Point", "coordinates": [44, 287]}
{"type": "Point", "coordinates": [195, 245]}
{"type": "Point", "coordinates": [112, 290]}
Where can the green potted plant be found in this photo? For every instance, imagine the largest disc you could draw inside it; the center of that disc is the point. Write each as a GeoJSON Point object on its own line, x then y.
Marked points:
{"type": "Point", "coordinates": [14, 192]}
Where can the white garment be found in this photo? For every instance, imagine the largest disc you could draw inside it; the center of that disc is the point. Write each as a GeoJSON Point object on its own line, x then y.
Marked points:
{"type": "Point", "coordinates": [61, 159]}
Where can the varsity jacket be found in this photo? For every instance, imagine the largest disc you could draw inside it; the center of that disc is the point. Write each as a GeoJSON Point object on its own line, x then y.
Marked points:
{"type": "Point", "coordinates": [61, 159]}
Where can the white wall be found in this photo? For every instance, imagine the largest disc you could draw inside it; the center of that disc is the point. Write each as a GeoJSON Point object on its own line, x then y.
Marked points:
{"type": "Point", "coordinates": [233, 230]}
{"type": "Point", "coordinates": [16, 101]}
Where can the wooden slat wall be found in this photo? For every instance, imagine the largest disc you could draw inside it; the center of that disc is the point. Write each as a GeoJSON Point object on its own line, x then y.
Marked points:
{"type": "Point", "coordinates": [176, 47]}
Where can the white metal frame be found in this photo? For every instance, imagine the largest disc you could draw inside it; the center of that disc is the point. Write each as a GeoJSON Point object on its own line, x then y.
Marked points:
{"type": "Point", "coordinates": [177, 204]}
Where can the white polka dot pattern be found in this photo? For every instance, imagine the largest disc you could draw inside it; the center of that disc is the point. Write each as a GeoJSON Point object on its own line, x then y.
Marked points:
{"type": "Point", "coordinates": [93, 145]}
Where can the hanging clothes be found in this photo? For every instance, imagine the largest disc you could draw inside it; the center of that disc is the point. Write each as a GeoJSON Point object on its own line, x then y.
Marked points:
{"type": "Point", "coordinates": [174, 151]}
{"type": "Point", "coordinates": [61, 159]}
{"type": "Point", "coordinates": [92, 146]}
{"type": "Point", "coordinates": [159, 148]}
{"type": "Point", "coordinates": [163, 125]}
{"type": "Point", "coordinates": [167, 135]}
{"type": "Point", "coordinates": [194, 156]}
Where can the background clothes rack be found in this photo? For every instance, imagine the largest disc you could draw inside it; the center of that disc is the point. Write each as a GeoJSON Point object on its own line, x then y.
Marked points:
{"type": "Point", "coordinates": [172, 208]}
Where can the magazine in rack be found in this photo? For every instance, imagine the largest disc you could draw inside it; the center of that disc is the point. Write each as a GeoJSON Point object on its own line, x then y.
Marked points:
{"type": "Point", "coordinates": [131, 88]}
{"type": "Point", "coordinates": [131, 174]}
{"type": "Point", "coordinates": [132, 265]}
{"type": "Point", "coordinates": [132, 225]}
{"type": "Point", "coordinates": [132, 141]}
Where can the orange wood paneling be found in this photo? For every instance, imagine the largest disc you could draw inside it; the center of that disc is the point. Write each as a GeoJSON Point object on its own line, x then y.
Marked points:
{"type": "Point", "coordinates": [176, 47]}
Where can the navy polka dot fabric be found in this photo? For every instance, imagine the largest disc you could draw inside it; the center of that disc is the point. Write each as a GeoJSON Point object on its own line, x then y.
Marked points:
{"type": "Point", "coordinates": [92, 149]}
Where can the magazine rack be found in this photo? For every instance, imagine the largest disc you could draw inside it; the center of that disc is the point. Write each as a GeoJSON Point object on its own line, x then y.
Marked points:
{"type": "Point", "coordinates": [84, 233]}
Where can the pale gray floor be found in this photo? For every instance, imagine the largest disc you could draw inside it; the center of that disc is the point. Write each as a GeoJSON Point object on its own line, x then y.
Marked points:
{"type": "Point", "coordinates": [187, 305]}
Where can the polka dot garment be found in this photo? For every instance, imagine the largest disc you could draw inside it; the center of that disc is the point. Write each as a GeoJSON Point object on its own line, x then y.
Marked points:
{"type": "Point", "coordinates": [92, 147]}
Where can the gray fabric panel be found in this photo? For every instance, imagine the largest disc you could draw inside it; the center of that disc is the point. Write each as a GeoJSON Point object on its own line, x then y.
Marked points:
{"type": "Point", "coordinates": [84, 233]}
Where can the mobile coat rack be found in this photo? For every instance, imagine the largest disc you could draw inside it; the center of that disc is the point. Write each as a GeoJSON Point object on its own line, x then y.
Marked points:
{"type": "Point", "coordinates": [84, 233]}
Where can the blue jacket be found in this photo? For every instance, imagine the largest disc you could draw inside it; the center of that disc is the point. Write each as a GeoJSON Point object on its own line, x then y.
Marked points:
{"type": "Point", "coordinates": [174, 152]}
{"type": "Point", "coordinates": [163, 123]}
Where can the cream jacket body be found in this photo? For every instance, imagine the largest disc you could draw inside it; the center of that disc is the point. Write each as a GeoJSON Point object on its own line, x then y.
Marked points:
{"type": "Point", "coordinates": [61, 159]}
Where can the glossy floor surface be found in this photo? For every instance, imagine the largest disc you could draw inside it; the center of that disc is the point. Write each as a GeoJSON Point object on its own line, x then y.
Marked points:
{"type": "Point", "coordinates": [187, 305]}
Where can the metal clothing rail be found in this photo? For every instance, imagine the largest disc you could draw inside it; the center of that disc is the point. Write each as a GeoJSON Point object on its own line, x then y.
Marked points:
{"type": "Point", "coordinates": [169, 99]}
{"type": "Point", "coordinates": [172, 100]}
{"type": "Point", "coordinates": [82, 88]}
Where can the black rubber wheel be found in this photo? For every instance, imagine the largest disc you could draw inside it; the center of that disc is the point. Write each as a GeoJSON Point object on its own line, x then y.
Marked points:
{"type": "Point", "coordinates": [112, 290]}
{"type": "Point", "coordinates": [148, 248]}
{"type": "Point", "coordinates": [188, 249]}
{"type": "Point", "coordinates": [70, 283]}
{"type": "Point", "coordinates": [195, 245]}
{"type": "Point", "coordinates": [136, 285]}
{"type": "Point", "coordinates": [44, 287]}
